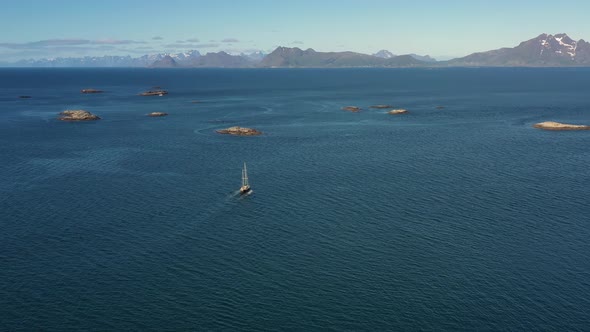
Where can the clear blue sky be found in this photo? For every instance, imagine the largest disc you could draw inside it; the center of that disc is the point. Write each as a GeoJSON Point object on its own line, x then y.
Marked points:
{"type": "Point", "coordinates": [436, 27]}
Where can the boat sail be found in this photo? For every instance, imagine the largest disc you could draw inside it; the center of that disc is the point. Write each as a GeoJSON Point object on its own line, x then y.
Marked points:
{"type": "Point", "coordinates": [245, 188]}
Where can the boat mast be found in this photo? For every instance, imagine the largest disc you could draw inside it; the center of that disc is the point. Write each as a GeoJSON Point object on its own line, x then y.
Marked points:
{"type": "Point", "coordinates": [244, 176]}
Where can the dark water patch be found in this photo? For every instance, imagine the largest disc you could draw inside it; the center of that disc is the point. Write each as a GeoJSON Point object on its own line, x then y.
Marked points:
{"type": "Point", "coordinates": [462, 218]}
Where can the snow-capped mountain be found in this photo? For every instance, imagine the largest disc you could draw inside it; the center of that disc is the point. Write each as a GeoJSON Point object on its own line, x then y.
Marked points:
{"type": "Point", "coordinates": [87, 61]}
{"type": "Point", "coordinates": [185, 59]}
{"type": "Point", "coordinates": [179, 57]}
{"type": "Point", "coordinates": [111, 61]}
{"type": "Point", "coordinates": [558, 44]}
{"type": "Point", "coordinates": [544, 50]}
{"type": "Point", "coordinates": [254, 56]}
{"type": "Point", "coordinates": [384, 54]}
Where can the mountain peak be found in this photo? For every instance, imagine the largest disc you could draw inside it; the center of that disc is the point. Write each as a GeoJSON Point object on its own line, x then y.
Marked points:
{"type": "Point", "coordinates": [564, 39]}
{"type": "Point", "coordinates": [558, 45]}
{"type": "Point", "coordinates": [384, 54]}
{"type": "Point", "coordinates": [255, 56]}
{"type": "Point", "coordinates": [166, 62]}
{"type": "Point", "coordinates": [286, 48]}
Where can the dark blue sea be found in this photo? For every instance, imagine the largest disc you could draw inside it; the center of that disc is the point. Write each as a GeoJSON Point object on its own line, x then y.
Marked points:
{"type": "Point", "coordinates": [461, 218]}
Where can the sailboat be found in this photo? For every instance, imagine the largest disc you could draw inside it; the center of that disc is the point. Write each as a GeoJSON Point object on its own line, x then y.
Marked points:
{"type": "Point", "coordinates": [245, 188]}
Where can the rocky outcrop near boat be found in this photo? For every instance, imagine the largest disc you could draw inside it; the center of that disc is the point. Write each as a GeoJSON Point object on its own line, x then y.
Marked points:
{"type": "Point", "coordinates": [154, 93]}
{"type": "Point", "coordinates": [551, 125]}
{"type": "Point", "coordinates": [239, 131]}
{"type": "Point", "coordinates": [157, 114]}
{"type": "Point", "coordinates": [91, 91]}
{"type": "Point", "coordinates": [398, 111]}
{"type": "Point", "coordinates": [351, 108]}
{"type": "Point", "coordinates": [77, 115]}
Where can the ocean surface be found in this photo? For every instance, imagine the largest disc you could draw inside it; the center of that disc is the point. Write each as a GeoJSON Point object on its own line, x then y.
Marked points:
{"type": "Point", "coordinates": [462, 218]}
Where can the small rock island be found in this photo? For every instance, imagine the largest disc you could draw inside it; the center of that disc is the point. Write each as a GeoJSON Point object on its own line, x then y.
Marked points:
{"type": "Point", "coordinates": [77, 115]}
{"type": "Point", "coordinates": [351, 108]}
{"type": "Point", "coordinates": [154, 93]}
{"type": "Point", "coordinates": [399, 111]}
{"type": "Point", "coordinates": [239, 131]}
{"type": "Point", "coordinates": [156, 114]}
{"type": "Point", "coordinates": [381, 106]}
{"type": "Point", "coordinates": [91, 91]}
{"type": "Point", "coordinates": [551, 125]}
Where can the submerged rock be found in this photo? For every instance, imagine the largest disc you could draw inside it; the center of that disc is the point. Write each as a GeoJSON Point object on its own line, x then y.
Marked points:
{"type": "Point", "coordinates": [399, 111]}
{"type": "Point", "coordinates": [381, 106]}
{"type": "Point", "coordinates": [239, 131]}
{"type": "Point", "coordinates": [154, 93]}
{"type": "Point", "coordinates": [551, 125]}
{"type": "Point", "coordinates": [77, 115]}
{"type": "Point", "coordinates": [351, 108]}
{"type": "Point", "coordinates": [155, 114]}
{"type": "Point", "coordinates": [91, 91]}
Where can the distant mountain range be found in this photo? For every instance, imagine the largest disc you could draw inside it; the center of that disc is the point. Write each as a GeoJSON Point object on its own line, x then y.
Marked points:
{"type": "Point", "coordinates": [103, 61]}
{"type": "Point", "coordinates": [296, 57]}
{"type": "Point", "coordinates": [164, 60]}
{"type": "Point", "coordinates": [543, 51]}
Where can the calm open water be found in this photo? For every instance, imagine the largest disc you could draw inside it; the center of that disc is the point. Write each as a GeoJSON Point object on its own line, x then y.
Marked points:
{"type": "Point", "coordinates": [462, 218]}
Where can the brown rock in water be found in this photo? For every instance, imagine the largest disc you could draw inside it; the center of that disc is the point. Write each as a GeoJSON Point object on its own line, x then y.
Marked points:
{"type": "Point", "coordinates": [154, 93]}
{"type": "Point", "coordinates": [351, 108]}
{"type": "Point", "coordinates": [156, 114]}
{"type": "Point", "coordinates": [91, 91]}
{"type": "Point", "coordinates": [239, 131]}
{"type": "Point", "coordinates": [77, 115]}
{"type": "Point", "coordinates": [400, 111]}
{"type": "Point", "coordinates": [550, 125]}
{"type": "Point", "coordinates": [381, 106]}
